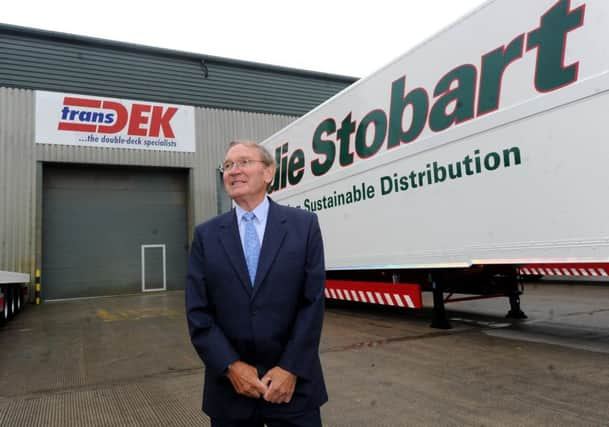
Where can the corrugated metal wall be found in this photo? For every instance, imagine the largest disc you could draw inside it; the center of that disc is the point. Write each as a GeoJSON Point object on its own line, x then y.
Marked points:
{"type": "Point", "coordinates": [218, 128]}
{"type": "Point", "coordinates": [58, 62]}
{"type": "Point", "coordinates": [17, 180]}
{"type": "Point", "coordinates": [20, 170]}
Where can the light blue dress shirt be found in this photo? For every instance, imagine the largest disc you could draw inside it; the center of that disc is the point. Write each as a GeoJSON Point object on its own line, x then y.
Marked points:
{"type": "Point", "coordinates": [262, 212]}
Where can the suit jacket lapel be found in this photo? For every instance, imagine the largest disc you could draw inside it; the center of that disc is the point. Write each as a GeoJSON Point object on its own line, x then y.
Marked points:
{"type": "Point", "coordinates": [231, 241]}
{"type": "Point", "coordinates": [274, 234]}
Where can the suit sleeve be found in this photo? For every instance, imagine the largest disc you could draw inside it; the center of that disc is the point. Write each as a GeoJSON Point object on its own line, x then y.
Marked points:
{"type": "Point", "coordinates": [209, 341]}
{"type": "Point", "coordinates": [302, 350]}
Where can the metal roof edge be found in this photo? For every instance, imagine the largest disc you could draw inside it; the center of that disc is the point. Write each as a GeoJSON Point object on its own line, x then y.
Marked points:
{"type": "Point", "coordinates": [125, 46]}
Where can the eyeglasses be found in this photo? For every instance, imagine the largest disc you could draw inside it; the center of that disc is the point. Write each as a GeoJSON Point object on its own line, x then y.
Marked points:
{"type": "Point", "coordinates": [228, 165]}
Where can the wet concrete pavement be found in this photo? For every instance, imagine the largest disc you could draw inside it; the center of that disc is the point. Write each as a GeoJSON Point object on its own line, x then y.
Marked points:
{"type": "Point", "coordinates": [127, 361]}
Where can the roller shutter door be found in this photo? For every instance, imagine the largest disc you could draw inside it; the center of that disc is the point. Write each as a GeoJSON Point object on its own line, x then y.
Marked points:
{"type": "Point", "coordinates": [96, 221]}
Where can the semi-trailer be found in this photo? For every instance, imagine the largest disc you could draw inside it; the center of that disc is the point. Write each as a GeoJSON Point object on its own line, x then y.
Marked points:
{"type": "Point", "coordinates": [477, 155]}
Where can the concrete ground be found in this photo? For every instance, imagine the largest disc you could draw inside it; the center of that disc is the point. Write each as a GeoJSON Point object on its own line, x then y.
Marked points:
{"type": "Point", "coordinates": [127, 361]}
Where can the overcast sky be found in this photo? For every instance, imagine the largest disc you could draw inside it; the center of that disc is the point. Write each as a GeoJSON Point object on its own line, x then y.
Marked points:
{"type": "Point", "coordinates": [352, 38]}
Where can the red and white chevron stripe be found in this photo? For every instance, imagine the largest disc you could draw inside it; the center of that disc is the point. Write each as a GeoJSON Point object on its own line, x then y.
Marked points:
{"type": "Point", "coordinates": [581, 270]}
{"type": "Point", "coordinates": [405, 295]}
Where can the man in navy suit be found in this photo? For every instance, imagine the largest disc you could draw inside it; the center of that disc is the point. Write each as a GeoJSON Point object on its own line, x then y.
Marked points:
{"type": "Point", "coordinates": [254, 301]}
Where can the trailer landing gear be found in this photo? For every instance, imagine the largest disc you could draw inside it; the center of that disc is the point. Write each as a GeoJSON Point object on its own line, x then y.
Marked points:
{"type": "Point", "coordinates": [440, 321]}
{"type": "Point", "coordinates": [482, 283]}
{"type": "Point", "coordinates": [515, 310]}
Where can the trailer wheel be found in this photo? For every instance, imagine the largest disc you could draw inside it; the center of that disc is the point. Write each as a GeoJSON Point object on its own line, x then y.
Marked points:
{"type": "Point", "coordinates": [10, 302]}
{"type": "Point", "coordinates": [18, 298]}
{"type": "Point", "coordinates": [4, 308]}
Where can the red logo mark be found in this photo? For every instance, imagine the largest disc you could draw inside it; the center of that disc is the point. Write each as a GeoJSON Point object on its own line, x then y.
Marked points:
{"type": "Point", "coordinates": [142, 119]}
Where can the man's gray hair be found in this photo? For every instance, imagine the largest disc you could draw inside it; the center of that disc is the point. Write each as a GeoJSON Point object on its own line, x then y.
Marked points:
{"type": "Point", "coordinates": [266, 156]}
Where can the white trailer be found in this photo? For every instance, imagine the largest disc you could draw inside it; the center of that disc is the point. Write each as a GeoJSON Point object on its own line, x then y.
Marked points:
{"type": "Point", "coordinates": [481, 151]}
{"type": "Point", "coordinates": [13, 294]}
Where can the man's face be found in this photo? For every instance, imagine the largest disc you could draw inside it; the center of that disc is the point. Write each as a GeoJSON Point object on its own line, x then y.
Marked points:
{"type": "Point", "coordinates": [247, 184]}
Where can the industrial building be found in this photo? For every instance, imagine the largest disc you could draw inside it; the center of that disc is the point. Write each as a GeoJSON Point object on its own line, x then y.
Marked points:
{"type": "Point", "coordinates": [109, 153]}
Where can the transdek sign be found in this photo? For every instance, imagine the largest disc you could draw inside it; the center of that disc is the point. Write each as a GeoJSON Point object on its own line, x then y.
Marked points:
{"type": "Point", "coordinates": [92, 121]}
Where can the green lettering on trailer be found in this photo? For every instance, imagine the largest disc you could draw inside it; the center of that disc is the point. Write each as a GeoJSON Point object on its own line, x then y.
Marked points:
{"type": "Point", "coordinates": [378, 118]}
{"type": "Point", "coordinates": [344, 137]}
{"type": "Point", "coordinates": [418, 100]}
{"type": "Point", "coordinates": [550, 72]}
{"type": "Point", "coordinates": [323, 146]}
{"type": "Point", "coordinates": [494, 64]}
{"type": "Point", "coordinates": [463, 96]}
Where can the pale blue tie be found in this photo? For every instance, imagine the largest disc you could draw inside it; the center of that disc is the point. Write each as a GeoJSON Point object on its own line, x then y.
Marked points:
{"type": "Point", "coordinates": [252, 245]}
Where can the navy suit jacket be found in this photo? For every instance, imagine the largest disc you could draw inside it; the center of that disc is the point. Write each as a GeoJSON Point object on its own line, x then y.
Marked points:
{"type": "Point", "coordinates": [277, 322]}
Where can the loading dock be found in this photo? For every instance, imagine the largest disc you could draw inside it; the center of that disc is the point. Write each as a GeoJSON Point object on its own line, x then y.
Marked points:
{"type": "Point", "coordinates": [95, 221]}
{"type": "Point", "coordinates": [97, 161]}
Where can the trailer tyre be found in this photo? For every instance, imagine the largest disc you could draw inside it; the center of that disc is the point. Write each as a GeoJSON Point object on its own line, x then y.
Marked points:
{"type": "Point", "coordinates": [4, 308]}
{"type": "Point", "coordinates": [18, 298]}
{"type": "Point", "coordinates": [10, 301]}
